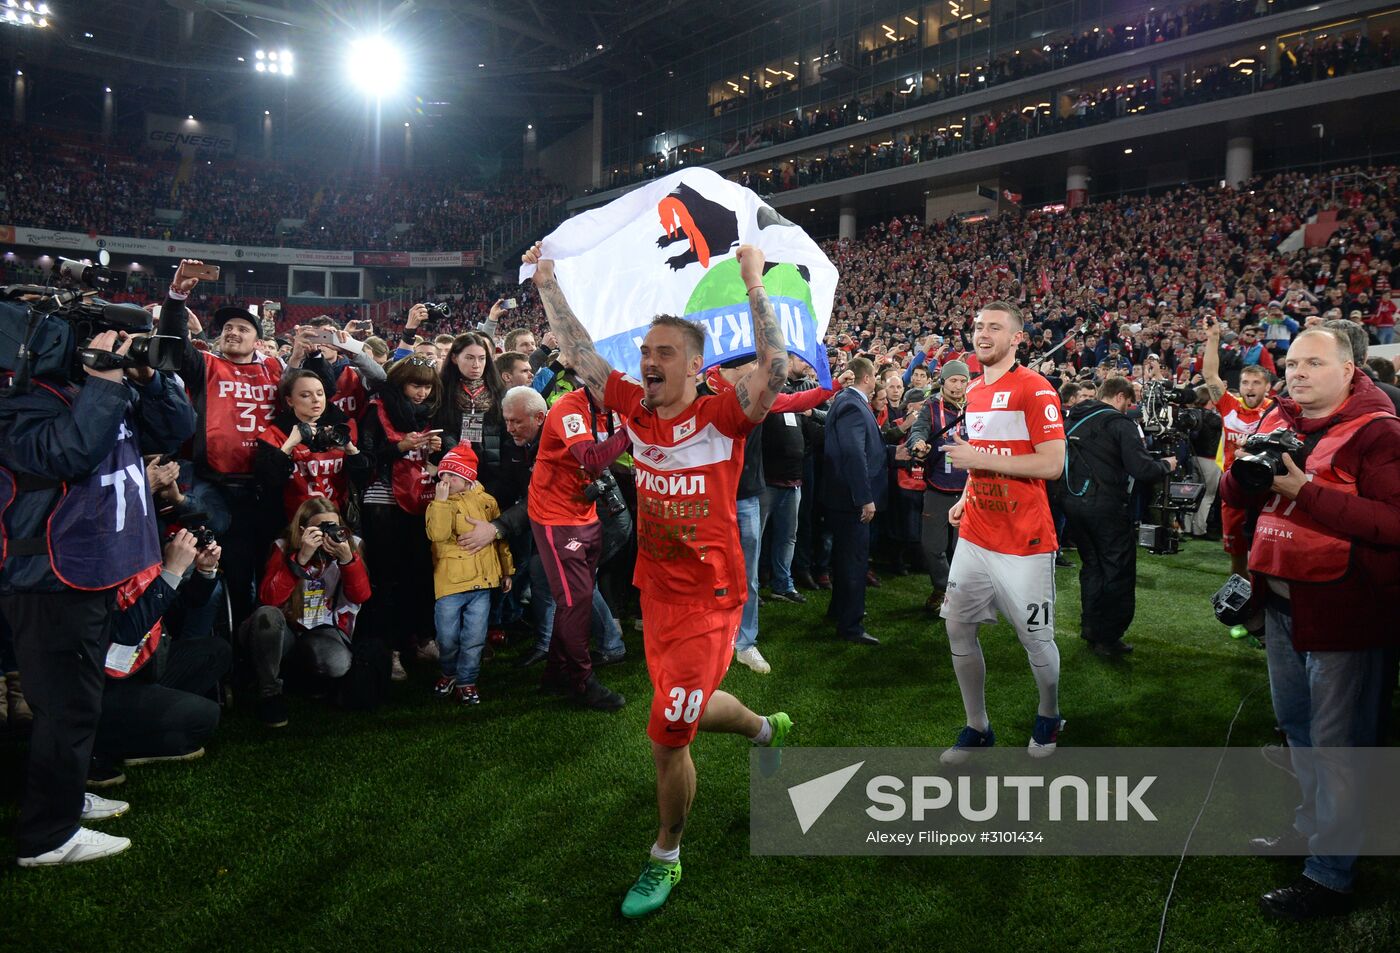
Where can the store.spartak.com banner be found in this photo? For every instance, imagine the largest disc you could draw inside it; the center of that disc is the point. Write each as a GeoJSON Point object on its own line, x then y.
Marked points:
{"type": "Point", "coordinates": [668, 248]}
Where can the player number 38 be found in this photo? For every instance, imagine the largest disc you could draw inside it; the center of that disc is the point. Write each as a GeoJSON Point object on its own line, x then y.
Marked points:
{"type": "Point", "coordinates": [682, 708]}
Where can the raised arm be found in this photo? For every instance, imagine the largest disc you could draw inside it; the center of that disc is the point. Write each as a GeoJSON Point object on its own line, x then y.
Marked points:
{"type": "Point", "coordinates": [1210, 361]}
{"type": "Point", "coordinates": [757, 390]}
{"type": "Point", "coordinates": [576, 348]}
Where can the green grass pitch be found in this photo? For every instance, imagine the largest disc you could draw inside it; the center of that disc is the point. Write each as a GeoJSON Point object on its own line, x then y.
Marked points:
{"type": "Point", "coordinates": [519, 824]}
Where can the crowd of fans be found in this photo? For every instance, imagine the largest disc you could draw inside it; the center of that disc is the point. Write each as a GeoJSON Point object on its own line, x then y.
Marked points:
{"type": "Point", "coordinates": [78, 184]}
{"type": "Point", "coordinates": [1048, 53]}
{"type": "Point", "coordinates": [1304, 61]}
{"type": "Point", "coordinates": [346, 565]}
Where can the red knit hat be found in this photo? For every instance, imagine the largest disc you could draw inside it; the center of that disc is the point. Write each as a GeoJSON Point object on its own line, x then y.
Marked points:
{"type": "Point", "coordinates": [460, 460]}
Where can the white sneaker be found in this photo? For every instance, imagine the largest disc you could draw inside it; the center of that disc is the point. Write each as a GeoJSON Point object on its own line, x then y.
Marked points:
{"type": "Point", "coordinates": [101, 809]}
{"type": "Point", "coordinates": [427, 651]}
{"type": "Point", "coordinates": [396, 672]}
{"type": "Point", "coordinates": [83, 845]}
{"type": "Point", "coordinates": [754, 660]}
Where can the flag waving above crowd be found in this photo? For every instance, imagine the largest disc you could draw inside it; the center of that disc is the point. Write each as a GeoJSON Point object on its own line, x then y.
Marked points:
{"type": "Point", "coordinates": [668, 248]}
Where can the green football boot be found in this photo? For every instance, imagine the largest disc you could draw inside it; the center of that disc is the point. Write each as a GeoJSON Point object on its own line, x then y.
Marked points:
{"type": "Point", "coordinates": [652, 888]}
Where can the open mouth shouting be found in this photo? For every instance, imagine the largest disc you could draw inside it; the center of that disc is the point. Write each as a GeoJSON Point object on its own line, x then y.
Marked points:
{"type": "Point", "coordinates": [653, 381]}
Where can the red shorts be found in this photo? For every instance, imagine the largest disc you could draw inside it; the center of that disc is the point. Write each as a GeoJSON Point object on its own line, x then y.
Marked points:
{"type": "Point", "coordinates": [1232, 529]}
{"type": "Point", "coordinates": [688, 651]}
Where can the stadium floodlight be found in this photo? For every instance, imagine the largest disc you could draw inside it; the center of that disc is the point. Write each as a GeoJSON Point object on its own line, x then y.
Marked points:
{"type": "Point", "coordinates": [279, 62]}
{"type": "Point", "coordinates": [26, 13]}
{"type": "Point", "coordinates": [375, 66]}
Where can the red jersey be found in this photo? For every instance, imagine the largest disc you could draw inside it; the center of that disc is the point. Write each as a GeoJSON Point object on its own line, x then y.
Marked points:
{"type": "Point", "coordinates": [1008, 514]}
{"type": "Point", "coordinates": [350, 395]}
{"type": "Point", "coordinates": [240, 400]}
{"type": "Point", "coordinates": [687, 470]}
{"type": "Point", "coordinates": [314, 473]}
{"type": "Point", "coordinates": [1238, 422]}
{"type": "Point", "coordinates": [557, 484]}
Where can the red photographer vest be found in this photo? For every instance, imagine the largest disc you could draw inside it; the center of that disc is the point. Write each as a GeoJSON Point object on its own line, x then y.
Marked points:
{"type": "Point", "coordinates": [350, 394]}
{"type": "Point", "coordinates": [1289, 544]}
{"type": "Point", "coordinates": [103, 528]}
{"type": "Point", "coordinates": [239, 402]}
{"type": "Point", "coordinates": [314, 473]}
{"type": "Point", "coordinates": [411, 480]}
{"type": "Point", "coordinates": [125, 660]}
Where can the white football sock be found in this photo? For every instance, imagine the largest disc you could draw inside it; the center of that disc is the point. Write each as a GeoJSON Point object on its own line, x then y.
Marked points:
{"type": "Point", "coordinates": [971, 669]}
{"type": "Point", "coordinates": [1044, 656]}
{"type": "Point", "coordinates": [663, 856]}
{"type": "Point", "coordinates": [765, 733]}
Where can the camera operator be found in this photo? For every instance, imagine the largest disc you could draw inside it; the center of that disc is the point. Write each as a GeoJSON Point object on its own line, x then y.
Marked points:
{"type": "Point", "coordinates": [161, 711]}
{"type": "Point", "coordinates": [1104, 454]}
{"type": "Point", "coordinates": [1326, 562]}
{"type": "Point", "coordinates": [78, 522]}
{"type": "Point", "coordinates": [570, 478]}
{"type": "Point", "coordinates": [1240, 416]}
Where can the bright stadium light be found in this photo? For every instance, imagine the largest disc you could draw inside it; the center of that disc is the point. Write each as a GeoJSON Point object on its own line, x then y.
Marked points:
{"type": "Point", "coordinates": [375, 66]}
{"type": "Point", "coordinates": [279, 62]}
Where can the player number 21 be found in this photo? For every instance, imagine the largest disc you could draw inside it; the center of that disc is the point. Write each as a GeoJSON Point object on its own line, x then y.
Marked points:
{"type": "Point", "coordinates": [1037, 615]}
{"type": "Point", "coordinates": [683, 709]}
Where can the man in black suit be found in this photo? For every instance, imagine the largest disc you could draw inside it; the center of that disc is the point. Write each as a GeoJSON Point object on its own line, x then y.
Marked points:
{"type": "Point", "coordinates": [853, 484]}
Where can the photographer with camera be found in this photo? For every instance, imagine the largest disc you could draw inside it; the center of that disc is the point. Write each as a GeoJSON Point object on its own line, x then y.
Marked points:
{"type": "Point", "coordinates": [1104, 454]}
{"type": "Point", "coordinates": [944, 483]}
{"type": "Point", "coordinates": [1240, 416]}
{"type": "Point", "coordinates": [1325, 562]}
{"type": "Point", "coordinates": [311, 592]}
{"type": "Point", "coordinates": [77, 523]}
{"type": "Point", "coordinates": [309, 448]}
{"type": "Point", "coordinates": [156, 705]}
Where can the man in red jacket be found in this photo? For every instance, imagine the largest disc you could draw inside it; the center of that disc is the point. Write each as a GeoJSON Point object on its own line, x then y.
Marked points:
{"type": "Point", "coordinates": [1326, 559]}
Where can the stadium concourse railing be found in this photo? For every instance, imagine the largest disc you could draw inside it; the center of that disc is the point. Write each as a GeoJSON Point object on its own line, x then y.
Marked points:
{"type": "Point", "coordinates": [515, 234]}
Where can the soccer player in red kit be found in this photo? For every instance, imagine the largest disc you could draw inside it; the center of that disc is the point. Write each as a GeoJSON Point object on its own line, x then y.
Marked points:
{"type": "Point", "coordinates": [1005, 558]}
{"type": "Point", "coordinates": [688, 451]}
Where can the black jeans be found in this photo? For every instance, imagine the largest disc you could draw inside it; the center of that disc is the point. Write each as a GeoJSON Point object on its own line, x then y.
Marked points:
{"type": "Point", "coordinates": [1103, 533]}
{"type": "Point", "coordinates": [399, 559]}
{"type": "Point", "coordinates": [938, 537]}
{"type": "Point", "coordinates": [61, 642]}
{"type": "Point", "coordinates": [145, 717]}
{"type": "Point", "coordinates": [849, 562]}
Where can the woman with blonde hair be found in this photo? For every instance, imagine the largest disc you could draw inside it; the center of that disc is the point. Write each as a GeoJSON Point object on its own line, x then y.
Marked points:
{"type": "Point", "coordinates": [312, 589]}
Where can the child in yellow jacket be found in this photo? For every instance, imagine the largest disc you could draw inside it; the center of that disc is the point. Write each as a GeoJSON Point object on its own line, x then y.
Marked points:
{"type": "Point", "coordinates": [463, 581]}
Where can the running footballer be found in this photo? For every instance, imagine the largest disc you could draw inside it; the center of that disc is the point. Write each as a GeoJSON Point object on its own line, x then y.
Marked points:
{"type": "Point", "coordinates": [1005, 559]}
{"type": "Point", "coordinates": [688, 451]}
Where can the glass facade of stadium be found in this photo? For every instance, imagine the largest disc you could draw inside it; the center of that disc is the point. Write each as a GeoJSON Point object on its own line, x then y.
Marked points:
{"type": "Point", "coordinates": [780, 93]}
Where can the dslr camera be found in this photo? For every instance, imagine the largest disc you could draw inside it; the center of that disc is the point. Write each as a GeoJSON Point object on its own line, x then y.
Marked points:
{"type": "Point", "coordinates": [605, 492]}
{"type": "Point", "coordinates": [46, 330]}
{"type": "Point", "coordinates": [325, 437]}
{"type": "Point", "coordinates": [337, 533]}
{"type": "Point", "coordinates": [437, 311]}
{"type": "Point", "coordinates": [195, 525]}
{"type": "Point", "coordinates": [1261, 458]}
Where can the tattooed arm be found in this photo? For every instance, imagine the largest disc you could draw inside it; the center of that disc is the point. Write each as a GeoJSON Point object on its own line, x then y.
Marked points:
{"type": "Point", "coordinates": [1210, 361]}
{"type": "Point", "coordinates": [576, 348]}
{"type": "Point", "coordinates": [760, 386]}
